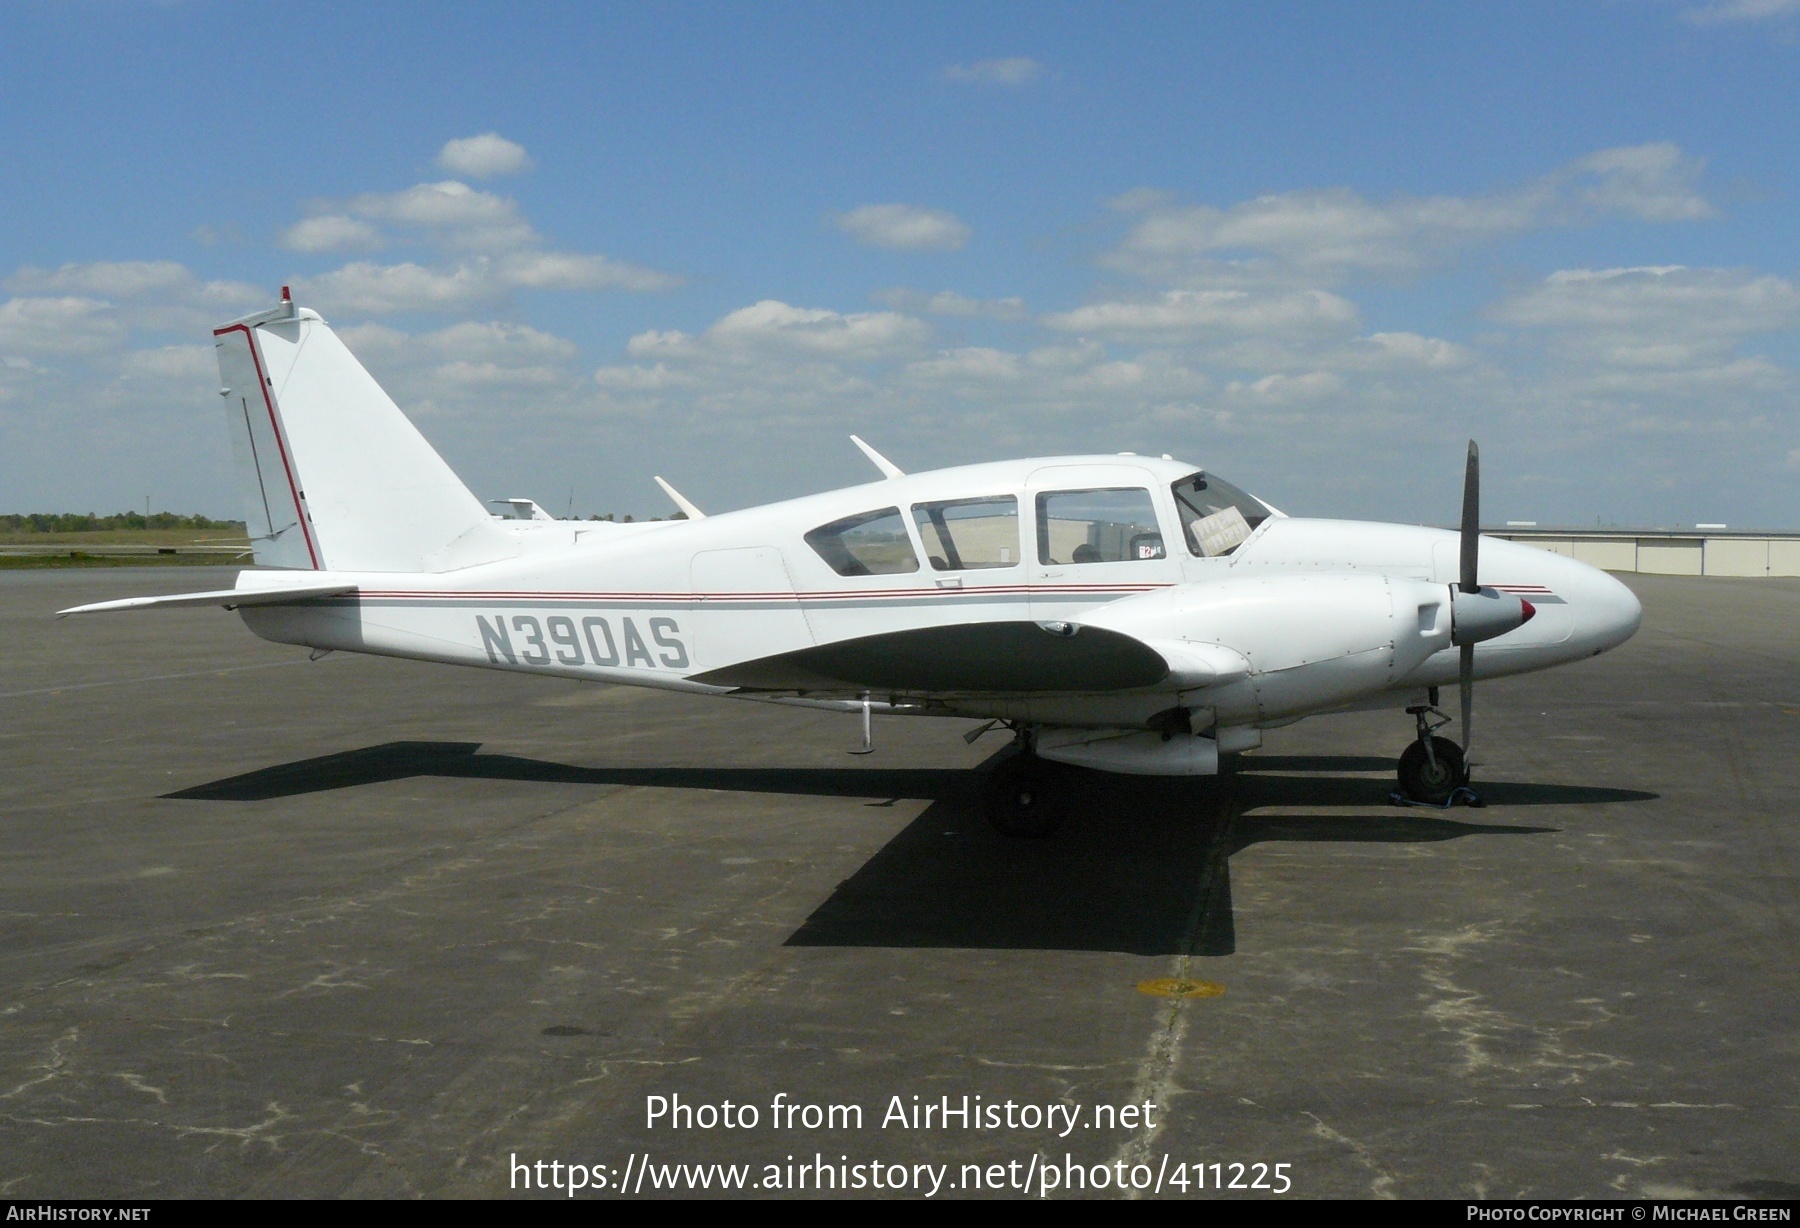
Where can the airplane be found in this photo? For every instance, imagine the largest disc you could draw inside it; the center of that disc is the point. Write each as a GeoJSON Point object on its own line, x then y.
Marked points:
{"type": "Point", "coordinates": [1121, 613]}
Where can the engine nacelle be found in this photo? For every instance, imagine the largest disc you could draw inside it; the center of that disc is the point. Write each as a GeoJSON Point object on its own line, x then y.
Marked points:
{"type": "Point", "coordinates": [1132, 752]}
{"type": "Point", "coordinates": [1312, 642]}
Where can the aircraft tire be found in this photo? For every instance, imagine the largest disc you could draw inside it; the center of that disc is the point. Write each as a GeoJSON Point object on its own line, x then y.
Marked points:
{"type": "Point", "coordinates": [1421, 782]}
{"type": "Point", "coordinates": [1023, 798]}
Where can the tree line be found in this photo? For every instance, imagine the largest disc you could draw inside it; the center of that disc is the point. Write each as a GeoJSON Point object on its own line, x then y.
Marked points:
{"type": "Point", "coordinates": [88, 522]}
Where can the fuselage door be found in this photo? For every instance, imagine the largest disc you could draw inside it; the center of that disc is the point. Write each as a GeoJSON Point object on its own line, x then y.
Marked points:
{"type": "Point", "coordinates": [745, 607]}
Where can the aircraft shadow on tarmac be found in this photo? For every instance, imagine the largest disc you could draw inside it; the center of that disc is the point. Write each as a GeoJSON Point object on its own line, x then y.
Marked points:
{"type": "Point", "coordinates": [1142, 865]}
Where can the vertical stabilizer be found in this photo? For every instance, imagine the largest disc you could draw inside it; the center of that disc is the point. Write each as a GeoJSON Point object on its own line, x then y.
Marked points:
{"type": "Point", "coordinates": [334, 476]}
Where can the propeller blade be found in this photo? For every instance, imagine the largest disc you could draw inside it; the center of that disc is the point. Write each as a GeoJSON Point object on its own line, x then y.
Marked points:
{"type": "Point", "coordinates": [1465, 681]}
{"type": "Point", "coordinates": [1471, 520]}
{"type": "Point", "coordinates": [1470, 583]}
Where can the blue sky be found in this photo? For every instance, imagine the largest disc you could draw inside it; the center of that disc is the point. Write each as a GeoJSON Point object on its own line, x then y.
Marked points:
{"type": "Point", "coordinates": [1315, 247]}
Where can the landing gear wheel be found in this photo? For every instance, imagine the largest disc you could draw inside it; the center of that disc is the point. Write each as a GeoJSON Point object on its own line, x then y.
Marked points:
{"type": "Point", "coordinates": [1023, 797]}
{"type": "Point", "coordinates": [1424, 780]}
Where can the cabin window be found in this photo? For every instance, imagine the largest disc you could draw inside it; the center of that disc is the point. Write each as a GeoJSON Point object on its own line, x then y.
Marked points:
{"type": "Point", "coordinates": [965, 534]}
{"type": "Point", "coordinates": [1216, 517]}
{"type": "Point", "coordinates": [867, 544]}
{"type": "Point", "coordinates": [1097, 526]}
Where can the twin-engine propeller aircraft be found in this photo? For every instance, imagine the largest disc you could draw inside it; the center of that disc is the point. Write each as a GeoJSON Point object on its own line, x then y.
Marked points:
{"type": "Point", "coordinates": [1119, 613]}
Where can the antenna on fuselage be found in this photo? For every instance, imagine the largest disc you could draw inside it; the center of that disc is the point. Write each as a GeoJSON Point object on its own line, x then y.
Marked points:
{"type": "Point", "coordinates": [681, 501]}
{"type": "Point", "coordinates": [888, 468]}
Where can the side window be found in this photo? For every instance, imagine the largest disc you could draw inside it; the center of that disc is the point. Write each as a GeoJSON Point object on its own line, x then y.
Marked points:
{"type": "Point", "coordinates": [867, 544]}
{"type": "Point", "coordinates": [964, 534]}
{"type": "Point", "coordinates": [1097, 526]}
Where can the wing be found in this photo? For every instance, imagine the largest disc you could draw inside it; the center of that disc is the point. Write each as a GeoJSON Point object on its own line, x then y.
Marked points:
{"type": "Point", "coordinates": [1006, 657]}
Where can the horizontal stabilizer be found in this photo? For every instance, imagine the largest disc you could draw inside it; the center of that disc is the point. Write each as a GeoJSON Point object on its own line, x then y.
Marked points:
{"type": "Point", "coordinates": [230, 598]}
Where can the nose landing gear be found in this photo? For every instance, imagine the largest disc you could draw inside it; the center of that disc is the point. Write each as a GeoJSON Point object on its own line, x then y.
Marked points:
{"type": "Point", "coordinates": [1433, 770]}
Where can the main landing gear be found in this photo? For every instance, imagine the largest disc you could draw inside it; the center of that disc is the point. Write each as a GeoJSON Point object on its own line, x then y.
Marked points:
{"type": "Point", "coordinates": [1433, 769]}
{"type": "Point", "coordinates": [1024, 795]}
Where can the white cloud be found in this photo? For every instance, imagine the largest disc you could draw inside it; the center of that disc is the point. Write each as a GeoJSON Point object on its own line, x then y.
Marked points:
{"type": "Point", "coordinates": [475, 341]}
{"type": "Point", "coordinates": [1326, 235]}
{"type": "Point", "coordinates": [484, 156]}
{"type": "Point", "coordinates": [771, 367]}
{"type": "Point", "coordinates": [971, 365]}
{"type": "Point", "coordinates": [114, 279]}
{"type": "Point", "coordinates": [493, 248]}
{"type": "Point", "coordinates": [493, 374]}
{"type": "Point", "coordinates": [1012, 70]}
{"type": "Point", "coordinates": [1653, 353]}
{"type": "Point", "coordinates": [1258, 382]}
{"type": "Point", "coordinates": [450, 203]}
{"type": "Point", "coordinates": [1249, 361]}
{"type": "Point", "coordinates": [1720, 11]}
{"type": "Point", "coordinates": [776, 328]}
{"type": "Point", "coordinates": [1691, 388]}
{"type": "Point", "coordinates": [1293, 389]}
{"type": "Point", "coordinates": [152, 294]}
{"type": "Point", "coordinates": [1197, 313]}
{"type": "Point", "coordinates": [1408, 350]}
{"type": "Point", "coordinates": [189, 366]}
{"type": "Point", "coordinates": [500, 341]}
{"type": "Point", "coordinates": [860, 335]}
{"type": "Point", "coordinates": [575, 271]}
{"type": "Point", "coordinates": [1654, 183]}
{"type": "Point", "coordinates": [950, 303]}
{"type": "Point", "coordinates": [657, 378]}
{"type": "Point", "coordinates": [65, 325]}
{"type": "Point", "coordinates": [473, 370]}
{"type": "Point", "coordinates": [217, 236]}
{"type": "Point", "coordinates": [330, 232]}
{"type": "Point", "coordinates": [364, 288]}
{"type": "Point", "coordinates": [453, 212]}
{"type": "Point", "coordinates": [1663, 316]}
{"type": "Point", "coordinates": [905, 227]}
{"type": "Point", "coordinates": [1318, 234]}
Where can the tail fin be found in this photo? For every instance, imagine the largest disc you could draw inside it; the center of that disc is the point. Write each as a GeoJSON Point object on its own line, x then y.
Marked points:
{"type": "Point", "coordinates": [334, 476]}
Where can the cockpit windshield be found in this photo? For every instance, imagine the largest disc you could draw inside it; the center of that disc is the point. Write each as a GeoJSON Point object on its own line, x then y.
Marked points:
{"type": "Point", "coordinates": [1216, 516]}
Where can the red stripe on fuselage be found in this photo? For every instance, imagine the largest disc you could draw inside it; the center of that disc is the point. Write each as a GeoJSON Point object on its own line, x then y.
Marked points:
{"type": "Point", "coordinates": [1098, 590]}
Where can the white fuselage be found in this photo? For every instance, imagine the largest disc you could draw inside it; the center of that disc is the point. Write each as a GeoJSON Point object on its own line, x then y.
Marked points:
{"type": "Point", "coordinates": [1305, 616]}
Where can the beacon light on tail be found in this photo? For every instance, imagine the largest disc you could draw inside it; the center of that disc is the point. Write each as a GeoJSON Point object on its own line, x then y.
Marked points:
{"type": "Point", "coordinates": [1120, 613]}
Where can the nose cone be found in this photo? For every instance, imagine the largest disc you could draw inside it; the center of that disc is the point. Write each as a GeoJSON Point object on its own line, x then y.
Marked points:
{"type": "Point", "coordinates": [1604, 612]}
{"type": "Point", "coordinates": [1607, 613]}
{"type": "Point", "coordinates": [1581, 610]}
